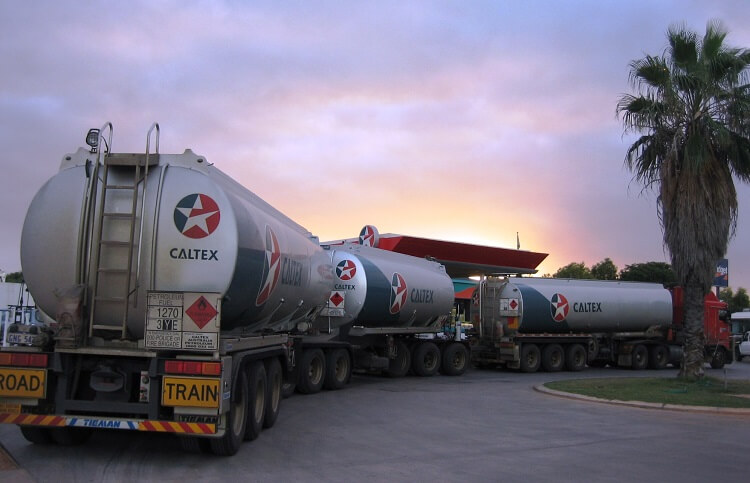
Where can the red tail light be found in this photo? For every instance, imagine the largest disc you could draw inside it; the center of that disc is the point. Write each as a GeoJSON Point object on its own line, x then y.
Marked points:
{"type": "Point", "coordinates": [22, 359]}
{"type": "Point", "coordinates": [193, 368]}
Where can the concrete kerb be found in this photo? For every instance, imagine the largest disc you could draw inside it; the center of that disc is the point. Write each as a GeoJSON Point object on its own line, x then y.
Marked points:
{"type": "Point", "coordinates": [644, 405]}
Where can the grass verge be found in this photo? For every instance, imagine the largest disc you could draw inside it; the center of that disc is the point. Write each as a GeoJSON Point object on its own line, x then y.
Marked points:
{"type": "Point", "coordinates": [709, 391]}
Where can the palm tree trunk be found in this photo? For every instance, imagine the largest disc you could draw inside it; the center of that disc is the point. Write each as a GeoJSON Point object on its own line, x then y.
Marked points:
{"type": "Point", "coordinates": [694, 344]}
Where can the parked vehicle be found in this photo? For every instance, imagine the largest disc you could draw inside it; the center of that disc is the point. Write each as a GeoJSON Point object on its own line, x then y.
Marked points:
{"type": "Point", "coordinates": [555, 324]}
{"type": "Point", "coordinates": [182, 303]}
{"type": "Point", "coordinates": [743, 348]}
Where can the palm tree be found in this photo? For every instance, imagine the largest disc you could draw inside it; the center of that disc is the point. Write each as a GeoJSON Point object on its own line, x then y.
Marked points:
{"type": "Point", "coordinates": [692, 109]}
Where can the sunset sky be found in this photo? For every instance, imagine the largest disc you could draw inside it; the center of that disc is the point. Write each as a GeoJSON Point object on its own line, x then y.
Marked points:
{"type": "Point", "coordinates": [456, 120]}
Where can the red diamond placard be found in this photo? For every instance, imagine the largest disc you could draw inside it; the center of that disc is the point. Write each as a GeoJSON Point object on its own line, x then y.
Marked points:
{"type": "Point", "coordinates": [202, 312]}
{"type": "Point", "coordinates": [336, 299]}
{"type": "Point", "coordinates": [513, 304]}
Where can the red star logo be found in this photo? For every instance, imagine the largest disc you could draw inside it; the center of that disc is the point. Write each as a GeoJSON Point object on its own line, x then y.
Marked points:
{"type": "Point", "coordinates": [398, 293]}
{"type": "Point", "coordinates": [271, 267]}
{"type": "Point", "coordinates": [368, 236]}
{"type": "Point", "coordinates": [346, 270]}
{"type": "Point", "coordinates": [559, 307]}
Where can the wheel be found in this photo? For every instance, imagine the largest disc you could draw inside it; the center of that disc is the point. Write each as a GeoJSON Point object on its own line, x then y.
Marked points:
{"type": "Point", "coordinates": [592, 349]}
{"type": "Point", "coordinates": [36, 434]}
{"type": "Point", "coordinates": [274, 391]}
{"type": "Point", "coordinates": [312, 370]}
{"type": "Point", "coordinates": [455, 359]}
{"type": "Point", "coordinates": [68, 436]}
{"type": "Point", "coordinates": [426, 359]}
{"type": "Point", "coordinates": [575, 357]}
{"type": "Point", "coordinates": [640, 357]}
{"type": "Point", "coordinates": [719, 358]}
{"type": "Point", "coordinates": [257, 386]}
{"type": "Point", "coordinates": [236, 419]}
{"type": "Point", "coordinates": [658, 357]}
{"type": "Point", "coordinates": [531, 358]}
{"type": "Point", "coordinates": [287, 389]}
{"type": "Point", "coordinates": [399, 366]}
{"type": "Point", "coordinates": [338, 369]}
{"type": "Point", "coordinates": [193, 444]}
{"type": "Point", "coordinates": [553, 358]}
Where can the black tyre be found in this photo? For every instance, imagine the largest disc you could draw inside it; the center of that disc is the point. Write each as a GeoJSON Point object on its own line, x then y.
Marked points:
{"type": "Point", "coordinates": [639, 357]}
{"type": "Point", "coordinates": [338, 369]}
{"type": "Point", "coordinates": [719, 358]}
{"type": "Point", "coordinates": [193, 444]}
{"type": "Point", "coordinates": [274, 392]}
{"type": "Point", "coordinates": [531, 358]}
{"type": "Point", "coordinates": [287, 389]}
{"type": "Point", "coordinates": [658, 357]}
{"type": "Point", "coordinates": [36, 434]}
{"type": "Point", "coordinates": [592, 349]}
{"type": "Point", "coordinates": [426, 359]}
{"type": "Point", "coordinates": [312, 371]}
{"type": "Point", "coordinates": [236, 420]}
{"type": "Point", "coordinates": [575, 357]}
{"type": "Point", "coordinates": [257, 386]}
{"type": "Point", "coordinates": [399, 366]}
{"type": "Point", "coordinates": [455, 359]}
{"type": "Point", "coordinates": [70, 436]}
{"type": "Point", "coordinates": [553, 358]}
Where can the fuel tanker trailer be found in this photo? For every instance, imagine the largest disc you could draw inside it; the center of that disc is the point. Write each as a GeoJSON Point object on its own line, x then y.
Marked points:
{"type": "Point", "coordinates": [173, 289]}
{"type": "Point", "coordinates": [528, 323]}
{"type": "Point", "coordinates": [393, 310]}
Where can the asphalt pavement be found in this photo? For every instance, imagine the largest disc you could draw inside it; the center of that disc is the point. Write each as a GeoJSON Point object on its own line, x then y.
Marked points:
{"type": "Point", "coordinates": [488, 425]}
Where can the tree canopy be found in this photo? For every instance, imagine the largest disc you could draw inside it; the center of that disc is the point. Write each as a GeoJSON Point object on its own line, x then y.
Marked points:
{"type": "Point", "coordinates": [692, 111]}
{"type": "Point", "coordinates": [657, 272]}
{"type": "Point", "coordinates": [573, 270]}
{"type": "Point", "coordinates": [16, 277]}
{"type": "Point", "coordinates": [604, 270]}
{"type": "Point", "coordinates": [738, 301]}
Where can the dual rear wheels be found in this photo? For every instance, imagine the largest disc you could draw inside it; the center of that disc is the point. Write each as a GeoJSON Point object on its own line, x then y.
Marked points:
{"type": "Point", "coordinates": [317, 369]}
{"type": "Point", "coordinates": [255, 404]}
{"type": "Point", "coordinates": [426, 359]}
{"type": "Point", "coordinates": [552, 357]}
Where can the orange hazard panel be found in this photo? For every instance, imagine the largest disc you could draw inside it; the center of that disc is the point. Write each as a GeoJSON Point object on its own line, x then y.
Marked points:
{"type": "Point", "coordinates": [32, 419]}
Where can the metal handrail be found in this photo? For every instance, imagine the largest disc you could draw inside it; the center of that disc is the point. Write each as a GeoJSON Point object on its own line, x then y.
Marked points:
{"type": "Point", "coordinates": [155, 229]}
{"type": "Point", "coordinates": [143, 206]}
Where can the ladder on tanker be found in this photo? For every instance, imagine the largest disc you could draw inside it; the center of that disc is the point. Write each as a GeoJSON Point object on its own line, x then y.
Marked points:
{"type": "Point", "coordinates": [118, 244]}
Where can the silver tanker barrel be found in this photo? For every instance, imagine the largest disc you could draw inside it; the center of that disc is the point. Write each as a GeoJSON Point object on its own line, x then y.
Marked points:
{"type": "Point", "coordinates": [349, 290]}
{"type": "Point", "coordinates": [201, 231]}
{"type": "Point", "coordinates": [388, 289]}
{"type": "Point", "coordinates": [549, 305]}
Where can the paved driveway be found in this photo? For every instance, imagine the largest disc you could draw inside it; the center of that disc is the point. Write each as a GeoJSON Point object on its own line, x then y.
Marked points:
{"type": "Point", "coordinates": [484, 426]}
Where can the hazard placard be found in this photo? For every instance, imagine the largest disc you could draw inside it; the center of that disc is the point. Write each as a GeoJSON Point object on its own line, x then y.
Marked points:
{"type": "Point", "coordinates": [183, 320]}
{"type": "Point", "coordinates": [335, 305]}
{"type": "Point", "coordinates": [509, 307]}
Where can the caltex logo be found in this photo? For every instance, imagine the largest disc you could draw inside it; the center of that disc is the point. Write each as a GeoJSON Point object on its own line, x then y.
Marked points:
{"type": "Point", "coordinates": [271, 267]}
{"type": "Point", "coordinates": [346, 270]}
{"type": "Point", "coordinates": [559, 307]}
{"type": "Point", "coordinates": [398, 292]}
{"type": "Point", "coordinates": [367, 237]}
{"type": "Point", "coordinates": [197, 216]}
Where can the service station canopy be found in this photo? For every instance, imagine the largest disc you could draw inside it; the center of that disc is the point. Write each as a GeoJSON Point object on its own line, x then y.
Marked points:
{"type": "Point", "coordinates": [462, 259]}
